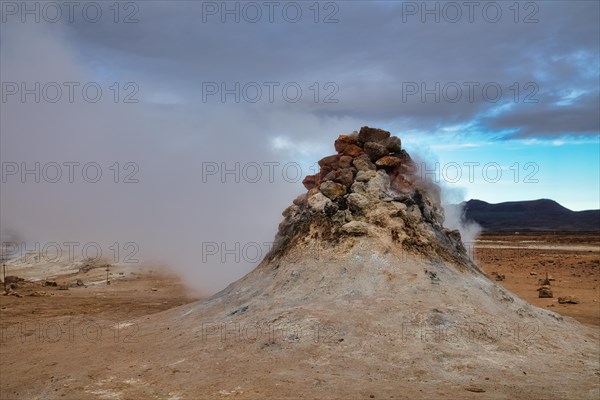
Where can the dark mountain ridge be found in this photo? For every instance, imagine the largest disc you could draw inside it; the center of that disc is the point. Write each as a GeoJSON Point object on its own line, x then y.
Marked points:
{"type": "Point", "coordinates": [534, 215]}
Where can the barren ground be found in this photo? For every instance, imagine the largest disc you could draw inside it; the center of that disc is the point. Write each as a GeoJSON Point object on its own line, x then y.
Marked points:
{"type": "Point", "coordinates": [573, 260]}
{"type": "Point", "coordinates": [105, 314]}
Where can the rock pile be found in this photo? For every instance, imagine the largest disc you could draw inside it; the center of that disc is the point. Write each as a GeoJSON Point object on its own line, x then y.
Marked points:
{"type": "Point", "coordinates": [371, 187]}
{"type": "Point", "coordinates": [545, 292]}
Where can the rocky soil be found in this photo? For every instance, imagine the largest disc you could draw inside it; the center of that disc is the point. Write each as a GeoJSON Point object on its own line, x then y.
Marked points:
{"type": "Point", "coordinates": [572, 262]}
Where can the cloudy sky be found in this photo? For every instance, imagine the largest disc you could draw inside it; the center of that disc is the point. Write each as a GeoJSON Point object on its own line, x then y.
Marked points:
{"type": "Point", "coordinates": [202, 117]}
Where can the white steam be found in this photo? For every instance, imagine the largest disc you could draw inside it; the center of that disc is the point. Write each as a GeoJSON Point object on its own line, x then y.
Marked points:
{"type": "Point", "coordinates": [452, 197]}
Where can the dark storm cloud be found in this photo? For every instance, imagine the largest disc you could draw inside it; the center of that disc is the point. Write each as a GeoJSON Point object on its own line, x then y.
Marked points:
{"type": "Point", "coordinates": [375, 53]}
{"type": "Point", "coordinates": [578, 118]}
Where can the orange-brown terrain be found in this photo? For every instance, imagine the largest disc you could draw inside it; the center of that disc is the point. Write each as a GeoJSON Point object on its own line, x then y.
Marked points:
{"type": "Point", "coordinates": [571, 259]}
{"type": "Point", "coordinates": [140, 292]}
{"type": "Point", "coordinates": [100, 313]}
{"type": "Point", "coordinates": [46, 321]}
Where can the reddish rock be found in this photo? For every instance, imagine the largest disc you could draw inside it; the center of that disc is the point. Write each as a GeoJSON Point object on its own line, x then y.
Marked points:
{"type": "Point", "coordinates": [342, 142]}
{"type": "Point", "coordinates": [328, 164]}
{"type": "Point", "coordinates": [331, 162]}
{"type": "Point", "coordinates": [401, 182]}
{"type": "Point", "coordinates": [367, 134]}
{"type": "Point", "coordinates": [345, 161]}
{"type": "Point", "coordinates": [405, 157]}
{"type": "Point", "coordinates": [312, 181]}
{"type": "Point", "coordinates": [353, 150]}
{"type": "Point", "coordinates": [393, 144]}
{"type": "Point", "coordinates": [375, 150]}
{"type": "Point", "coordinates": [344, 176]}
{"type": "Point", "coordinates": [388, 162]}
{"type": "Point", "coordinates": [408, 166]}
{"type": "Point", "coordinates": [330, 176]}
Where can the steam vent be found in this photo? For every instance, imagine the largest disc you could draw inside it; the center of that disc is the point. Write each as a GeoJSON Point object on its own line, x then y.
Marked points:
{"type": "Point", "coordinates": [371, 188]}
{"type": "Point", "coordinates": [364, 295]}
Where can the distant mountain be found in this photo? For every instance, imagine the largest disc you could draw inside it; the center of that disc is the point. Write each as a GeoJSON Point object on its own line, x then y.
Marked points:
{"type": "Point", "coordinates": [534, 215]}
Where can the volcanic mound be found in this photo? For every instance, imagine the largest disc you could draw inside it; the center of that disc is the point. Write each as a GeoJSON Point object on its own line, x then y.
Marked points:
{"type": "Point", "coordinates": [370, 188]}
{"type": "Point", "coordinates": [364, 295]}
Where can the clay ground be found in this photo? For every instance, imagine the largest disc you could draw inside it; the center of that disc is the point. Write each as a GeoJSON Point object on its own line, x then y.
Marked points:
{"type": "Point", "coordinates": [135, 293]}
{"type": "Point", "coordinates": [95, 313]}
{"type": "Point", "coordinates": [99, 312]}
{"type": "Point", "coordinates": [572, 260]}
